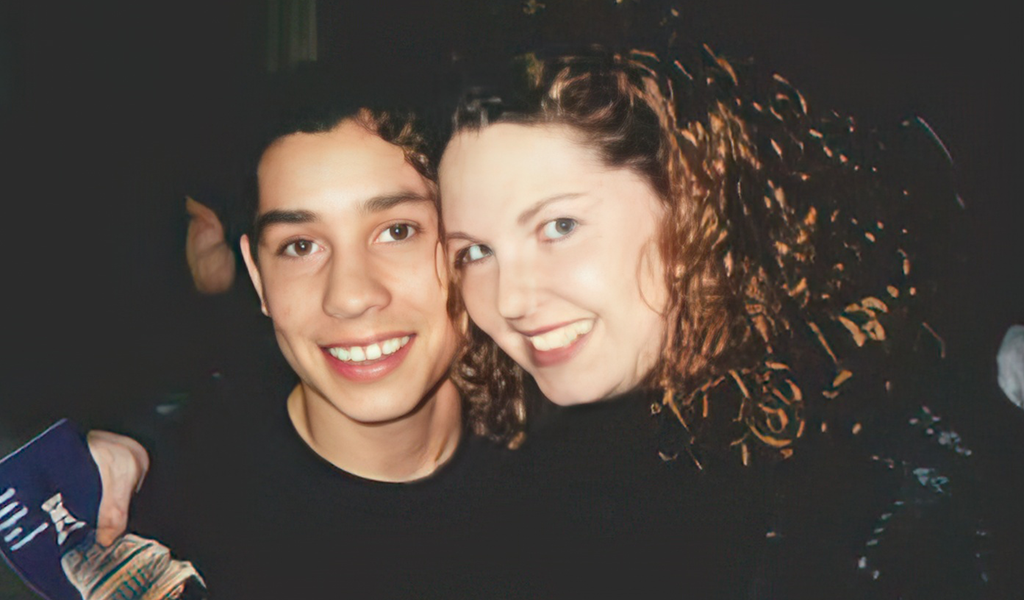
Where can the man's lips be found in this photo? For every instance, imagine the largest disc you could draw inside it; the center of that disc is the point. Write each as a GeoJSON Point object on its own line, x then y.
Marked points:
{"type": "Point", "coordinates": [369, 362]}
{"type": "Point", "coordinates": [369, 350]}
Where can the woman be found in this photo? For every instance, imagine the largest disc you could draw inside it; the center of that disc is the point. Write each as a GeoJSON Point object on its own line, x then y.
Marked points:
{"type": "Point", "coordinates": [593, 179]}
{"type": "Point", "coordinates": [583, 230]}
{"type": "Point", "coordinates": [644, 238]}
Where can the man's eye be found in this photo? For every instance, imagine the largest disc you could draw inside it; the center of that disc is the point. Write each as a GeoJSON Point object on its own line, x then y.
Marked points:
{"type": "Point", "coordinates": [300, 248]}
{"type": "Point", "coordinates": [397, 233]}
{"type": "Point", "coordinates": [558, 228]}
{"type": "Point", "coordinates": [471, 254]}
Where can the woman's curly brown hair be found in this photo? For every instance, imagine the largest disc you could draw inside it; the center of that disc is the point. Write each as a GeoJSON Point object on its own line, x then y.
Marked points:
{"type": "Point", "coordinates": [788, 247]}
{"type": "Point", "coordinates": [622, 107]}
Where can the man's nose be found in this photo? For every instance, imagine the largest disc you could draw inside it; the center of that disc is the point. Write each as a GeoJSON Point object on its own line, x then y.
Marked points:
{"type": "Point", "coordinates": [354, 288]}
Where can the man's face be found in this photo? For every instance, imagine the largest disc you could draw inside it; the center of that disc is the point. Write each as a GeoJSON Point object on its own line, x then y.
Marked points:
{"type": "Point", "coordinates": [351, 273]}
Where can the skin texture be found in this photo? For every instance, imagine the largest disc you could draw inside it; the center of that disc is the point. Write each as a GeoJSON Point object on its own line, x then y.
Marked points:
{"type": "Point", "coordinates": [361, 264]}
{"type": "Point", "coordinates": [545, 235]}
{"type": "Point", "coordinates": [122, 463]}
{"type": "Point", "coordinates": [209, 257]}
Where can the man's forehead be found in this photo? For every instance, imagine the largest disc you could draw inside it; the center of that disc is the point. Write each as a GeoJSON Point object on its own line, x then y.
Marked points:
{"type": "Point", "coordinates": [348, 161]}
{"type": "Point", "coordinates": [347, 146]}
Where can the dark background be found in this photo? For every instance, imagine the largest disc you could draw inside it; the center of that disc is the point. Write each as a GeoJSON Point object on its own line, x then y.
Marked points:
{"type": "Point", "coordinates": [112, 110]}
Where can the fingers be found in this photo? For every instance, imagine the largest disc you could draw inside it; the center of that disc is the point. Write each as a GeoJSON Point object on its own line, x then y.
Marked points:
{"type": "Point", "coordinates": [113, 522]}
{"type": "Point", "coordinates": [210, 260]}
{"type": "Point", "coordinates": [198, 210]}
{"type": "Point", "coordinates": [204, 226]}
{"type": "Point", "coordinates": [123, 464]}
{"type": "Point", "coordinates": [214, 273]}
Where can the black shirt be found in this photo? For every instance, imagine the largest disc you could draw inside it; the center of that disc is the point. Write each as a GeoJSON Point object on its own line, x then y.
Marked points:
{"type": "Point", "coordinates": [261, 515]}
{"type": "Point", "coordinates": [610, 503]}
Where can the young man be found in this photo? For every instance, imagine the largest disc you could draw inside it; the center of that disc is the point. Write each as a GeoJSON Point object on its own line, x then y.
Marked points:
{"type": "Point", "coordinates": [360, 477]}
{"type": "Point", "coordinates": [345, 258]}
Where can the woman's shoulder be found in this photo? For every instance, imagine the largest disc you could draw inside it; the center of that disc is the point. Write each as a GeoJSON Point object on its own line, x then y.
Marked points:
{"type": "Point", "coordinates": [913, 503]}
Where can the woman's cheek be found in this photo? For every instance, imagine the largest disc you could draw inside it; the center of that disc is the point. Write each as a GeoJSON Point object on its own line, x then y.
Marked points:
{"type": "Point", "coordinates": [481, 305]}
{"type": "Point", "coordinates": [583, 268]}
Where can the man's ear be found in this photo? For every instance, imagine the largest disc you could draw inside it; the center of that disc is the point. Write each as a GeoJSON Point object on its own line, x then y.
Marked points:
{"type": "Point", "coordinates": [254, 272]}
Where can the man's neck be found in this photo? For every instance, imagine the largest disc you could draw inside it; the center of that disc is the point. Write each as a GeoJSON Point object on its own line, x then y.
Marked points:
{"type": "Point", "coordinates": [402, 450]}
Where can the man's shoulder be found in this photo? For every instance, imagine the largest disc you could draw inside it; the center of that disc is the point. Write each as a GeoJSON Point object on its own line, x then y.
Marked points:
{"type": "Point", "coordinates": [477, 454]}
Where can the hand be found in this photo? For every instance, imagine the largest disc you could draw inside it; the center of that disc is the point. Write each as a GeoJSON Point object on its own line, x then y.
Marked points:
{"type": "Point", "coordinates": [123, 464]}
{"type": "Point", "coordinates": [209, 257]}
{"type": "Point", "coordinates": [1010, 360]}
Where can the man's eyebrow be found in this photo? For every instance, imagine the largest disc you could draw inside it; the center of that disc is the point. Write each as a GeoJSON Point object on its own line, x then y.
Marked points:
{"type": "Point", "coordinates": [372, 205]}
{"type": "Point", "coordinates": [525, 216]}
{"type": "Point", "coordinates": [274, 217]}
{"type": "Point", "coordinates": [382, 203]}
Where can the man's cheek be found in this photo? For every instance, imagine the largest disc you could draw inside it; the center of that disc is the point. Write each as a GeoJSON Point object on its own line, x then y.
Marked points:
{"type": "Point", "coordinates": [280, 307]}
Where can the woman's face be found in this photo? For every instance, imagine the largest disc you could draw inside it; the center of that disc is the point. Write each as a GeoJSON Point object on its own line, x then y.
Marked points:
{"type": "Point", "coordinates": [558, 257]}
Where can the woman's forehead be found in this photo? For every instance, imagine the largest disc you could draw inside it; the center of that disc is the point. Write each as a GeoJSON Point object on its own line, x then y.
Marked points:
{"type": "Point", "coordinates": [513, 158]}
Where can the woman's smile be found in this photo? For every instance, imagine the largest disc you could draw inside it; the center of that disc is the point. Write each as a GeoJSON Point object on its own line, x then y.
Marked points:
{"type": "Point", "coordinates": [559, 267]}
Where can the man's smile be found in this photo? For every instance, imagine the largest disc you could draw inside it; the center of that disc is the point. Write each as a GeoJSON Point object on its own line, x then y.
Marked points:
{"type": "Point", "coordinates": [373, 351]}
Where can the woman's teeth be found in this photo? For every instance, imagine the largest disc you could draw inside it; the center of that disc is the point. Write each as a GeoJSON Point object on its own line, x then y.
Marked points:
{"type": "Point", "coordinates": [371, 352]}
{"type": "Point", "coordinates": [561, 337]}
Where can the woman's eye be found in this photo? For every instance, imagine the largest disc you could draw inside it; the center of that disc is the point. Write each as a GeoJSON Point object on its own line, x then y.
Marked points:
{"type": "Point", "coordinates": [471, 254]}
{"type": "Point", "coordinates": [396, 233]}
{"type": "Point", "coordinates": [558, 228]}
{"type": "Point", "coordinates": [300, 248]}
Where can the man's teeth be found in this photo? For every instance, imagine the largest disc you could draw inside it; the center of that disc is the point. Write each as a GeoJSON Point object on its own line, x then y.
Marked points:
{"type": "Point", "coordinates": [561, 337]}
{"type": "Point", "coordinates": [371, 352]}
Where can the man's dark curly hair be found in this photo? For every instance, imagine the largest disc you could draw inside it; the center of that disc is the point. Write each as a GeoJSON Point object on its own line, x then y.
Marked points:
{"type": "Point", "coordinates": [317, 100]}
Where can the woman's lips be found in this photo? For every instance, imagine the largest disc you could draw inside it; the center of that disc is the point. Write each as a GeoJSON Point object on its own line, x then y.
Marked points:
{"type": "Point", "coordinates": [558, 345]}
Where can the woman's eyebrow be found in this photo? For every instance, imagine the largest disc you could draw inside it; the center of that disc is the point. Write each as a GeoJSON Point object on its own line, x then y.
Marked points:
{"type": "Point", "coordinates": [458, 235]}
{"type": "Point", "coordinates": [525, 216]}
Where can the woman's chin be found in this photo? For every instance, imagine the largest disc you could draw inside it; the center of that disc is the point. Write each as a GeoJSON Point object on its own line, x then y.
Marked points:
{"type": "Point", "coordinates": [568, 395]}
